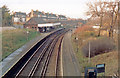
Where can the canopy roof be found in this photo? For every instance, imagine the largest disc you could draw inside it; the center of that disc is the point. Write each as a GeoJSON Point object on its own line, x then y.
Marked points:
{"type": "Point", "coordinates": [48, 24]}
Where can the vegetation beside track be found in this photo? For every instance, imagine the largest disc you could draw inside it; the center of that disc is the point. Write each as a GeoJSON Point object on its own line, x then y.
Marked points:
{"type": "Point", "coordinates": [110, 58]}
{"type": "Point", "coordinates": [14, 39]}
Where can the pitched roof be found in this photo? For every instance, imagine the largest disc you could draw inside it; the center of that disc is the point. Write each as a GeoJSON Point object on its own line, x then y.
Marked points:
{"type": "Point", "coordinates": [35, 20]}
{"type": "Point", "coordinates": [62, 16]}
{"type": "Point", "coordinates": [20, 13]}
{"type": "Point", "coordinates": [52, 15]}
{"type": "Point", "coordinates": [47, 14]}
{"type": "Point", "coordinates": [38, 13]}
{"type": "Point", "coordinates": [39, 20]}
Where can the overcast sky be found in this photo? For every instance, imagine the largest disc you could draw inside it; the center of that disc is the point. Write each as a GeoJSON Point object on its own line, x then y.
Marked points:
{"type": "Point", "coordinates": [70, 8]}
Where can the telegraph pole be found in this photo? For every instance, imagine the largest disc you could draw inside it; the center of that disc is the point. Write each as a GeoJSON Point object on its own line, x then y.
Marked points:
{"type": "Point", "coordinates": [89, 51]}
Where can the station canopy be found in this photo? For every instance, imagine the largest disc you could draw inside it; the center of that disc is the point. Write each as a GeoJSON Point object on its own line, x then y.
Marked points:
{"type": "Point", "coordinates": [48, 24]}
{"type": "Point", "coordinates": [43, 22]}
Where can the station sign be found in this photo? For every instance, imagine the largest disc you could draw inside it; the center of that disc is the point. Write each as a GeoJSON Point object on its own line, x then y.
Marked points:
{"type": "Point", "coordinates": [100, 68]}
{"type": "Point", "coordinates": [90, 72]}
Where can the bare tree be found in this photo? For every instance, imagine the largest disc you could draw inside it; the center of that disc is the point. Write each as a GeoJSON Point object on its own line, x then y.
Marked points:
{"type": "Point", "coordinates": [107, 13]}
{"type": "Point", "coordinates": [97, 9]}
{"type": "Point", "coordinates": [113, 13]}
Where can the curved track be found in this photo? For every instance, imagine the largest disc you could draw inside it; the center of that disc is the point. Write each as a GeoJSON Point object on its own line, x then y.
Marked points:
{"type": "Point", "coordinates": [36, 62]}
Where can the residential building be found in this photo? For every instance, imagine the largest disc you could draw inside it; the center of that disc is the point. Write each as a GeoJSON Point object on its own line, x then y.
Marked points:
{"type": "Point", "coordinates": [52, 16]}
{"type": "Point", "coordinates": [48, 16]}
{"type": "Point", "coordinates": [35, 14]}
{"type": "Point", "coordinates": [19, 18]}
{"type": "Point", "coordinates": [62, 17]}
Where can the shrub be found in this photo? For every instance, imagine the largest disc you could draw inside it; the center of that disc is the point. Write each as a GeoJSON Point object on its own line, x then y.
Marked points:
{"type": "Point", "coordinates": [83, 28]}
{"type": "Point", "coordinates": [98, 46]}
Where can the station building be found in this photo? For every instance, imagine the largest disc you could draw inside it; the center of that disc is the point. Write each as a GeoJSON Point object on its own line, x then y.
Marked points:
{"type": "Point", "coordinates": [42, 24]}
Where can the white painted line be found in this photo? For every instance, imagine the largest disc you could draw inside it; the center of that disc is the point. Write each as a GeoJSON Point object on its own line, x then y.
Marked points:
{"type": "Point", "coordinates": [62, 57]}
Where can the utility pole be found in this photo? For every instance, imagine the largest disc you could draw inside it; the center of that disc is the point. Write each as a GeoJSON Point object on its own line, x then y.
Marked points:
{"type": "Point", "coordinates": [89, 51]}
{"type": "Point", "coordinates": [27, 33]}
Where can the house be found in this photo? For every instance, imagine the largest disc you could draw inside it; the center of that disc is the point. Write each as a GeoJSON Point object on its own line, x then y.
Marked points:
{"type": "Point", "coordinates": [103, 30]}
{"type": "Point", "coordinates": [48, 16]}
{"type": "Point", "coordinates": [96, 27]}
{"type": "Point", "coordinates": [19, 18]}
{"type": "Point", "coordinates": [35, 14]}
{"type": "Point", "coordinates": [51, 16]}
{"type": "Point", "coordinates": [62, 17]}
{"type": "Point", "coordinates": [42, 21]}
{"type": "Point", "coordinates": [41, 24]}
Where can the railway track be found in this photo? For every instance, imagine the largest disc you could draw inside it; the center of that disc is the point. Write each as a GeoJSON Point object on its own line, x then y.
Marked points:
{"type": "Point", "coordinates": [38, 61]}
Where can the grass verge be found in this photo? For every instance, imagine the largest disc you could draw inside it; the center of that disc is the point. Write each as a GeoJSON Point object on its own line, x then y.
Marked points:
{"type": "Point", "coordinates": [14, 39]}
{"type": "Point", "coordinates": [110, 59]}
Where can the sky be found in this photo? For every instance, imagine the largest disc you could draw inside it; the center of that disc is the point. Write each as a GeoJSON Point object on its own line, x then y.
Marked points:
{"type": "Point", "coordinates": [70, 8]}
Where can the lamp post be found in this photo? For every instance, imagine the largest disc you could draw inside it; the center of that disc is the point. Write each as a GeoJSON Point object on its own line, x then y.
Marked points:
{"type": "Point", "coordinates": [77, 42]}
{"type": "Point", "coordinates": [12, 41]}
{"type": "Point", "coordinates": [27, 33]}
{"type": "Point", "coordinates": [89, 51]}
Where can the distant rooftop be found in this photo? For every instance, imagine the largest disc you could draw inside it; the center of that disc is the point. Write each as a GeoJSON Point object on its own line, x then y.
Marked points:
{"type": "Point", "coordinates": [20, 13]}
{"type": "Point", "coordinates": [62, 16]}
{"type": "Point", "coordinates": [39, 20]}
{"type": "Point", "coordinates": [38, 13]}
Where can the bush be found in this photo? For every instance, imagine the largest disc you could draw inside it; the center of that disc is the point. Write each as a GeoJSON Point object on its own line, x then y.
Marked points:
{"type": "Point", "coordinates": [98, 46]}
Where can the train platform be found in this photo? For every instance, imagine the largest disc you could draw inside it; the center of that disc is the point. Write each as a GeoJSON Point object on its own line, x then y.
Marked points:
{"type": "Point", "coordinates": [12, 59]}
{"type": "Point", "coordinates": [69, 60]}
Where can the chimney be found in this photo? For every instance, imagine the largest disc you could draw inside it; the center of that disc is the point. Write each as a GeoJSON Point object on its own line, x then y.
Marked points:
{"type": "Point", "coordinates": [12, 13]}
{"type": "Point", "coordinates": [48, 13]}
{"type": "Point", "coordinates": [43, 12]}
{"type": "Point", "coordinates": [56, 15]}
{"type": "Point", "coordinates": [32, 10]}
{"type": "Point", "coordinates": [37, 10]}
{"type": "Point", "coordinates": [31, 13]}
